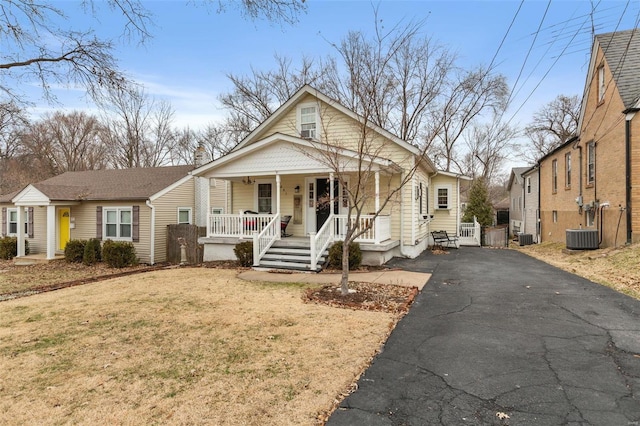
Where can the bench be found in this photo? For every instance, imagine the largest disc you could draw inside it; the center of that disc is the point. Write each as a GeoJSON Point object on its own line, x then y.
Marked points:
{"type": "Point", "coordinates": [440, 238]}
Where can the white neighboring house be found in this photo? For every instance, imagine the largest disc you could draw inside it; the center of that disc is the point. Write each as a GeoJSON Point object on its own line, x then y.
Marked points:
{"type": "Point", "coordinates": [531, 202]}
{"type": "Point", "coordinates": [515, 187]}
{"type": "Point", "coordinates": [282, 169]}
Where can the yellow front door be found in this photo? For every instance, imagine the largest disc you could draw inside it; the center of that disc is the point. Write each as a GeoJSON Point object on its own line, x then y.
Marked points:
{"type": "Point", "coordinates": [63, 228]}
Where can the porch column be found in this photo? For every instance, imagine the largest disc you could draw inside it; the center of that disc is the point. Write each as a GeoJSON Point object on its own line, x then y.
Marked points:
{"type": "Point", "coordinates": [376, 230]}
{"type": "Point", "coordinates": [20, 231]}
{"type": "Point", "coordinates": [332, 194]}
{"type": "Point", "coordinates": [278, 193]}
{"type": "Point", "coordinates": [51, 232]}
{"type": "Point", "coordinates": [377, 175]}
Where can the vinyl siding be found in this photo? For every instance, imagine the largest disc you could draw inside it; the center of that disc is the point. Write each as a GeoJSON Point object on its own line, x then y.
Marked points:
{"type": "Point", "coordinates": [446, 220]}
{"type": "Point", "coordinates": [85, 220]}
{"type": "Point", "coordinates": [37, 244]}
{"type": "Point", "coordinates": [166, 210]}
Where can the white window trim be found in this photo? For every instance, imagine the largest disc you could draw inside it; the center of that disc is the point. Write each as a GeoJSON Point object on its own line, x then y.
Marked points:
{"type": "Point", "coordinates": [26, 221]}
{"type": "Point", "coordinates": [217, 210]}
{"type": "Point", "coordinates": [299, 118]}
{"type": "Point", "coordinates": [190, 210]}
{"type": "Point", "coordinates": [435, 196]}
{"type": "Point", "coordinates": [104, 223]}
{"type": "Point", "coordinates": [273, 195]}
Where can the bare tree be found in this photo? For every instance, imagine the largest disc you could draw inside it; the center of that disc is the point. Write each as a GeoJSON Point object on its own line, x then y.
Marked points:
{"type": "Point", "coordinates": [13, 120]}
{"type": "Point", "coordinates": [552, 125]}
{"type": "Point", "coordinates": [397, 80]}
{"type": "Point", "coordinates": [284, 11]}
{"type": "Point", "coordinates": [66, 142]}
{"type": "Point", "coordinates": [138, 129]}
{"type": "Point", "coordinates": [255, 97]}
{"type": "Point", "coordinates": [396, 76]}
{"type": "Point", "coordinates": [470, 95]}
{"type": "Point", "coordinates": [488, 145]}
{"type": "Point", "coordinates": [41, 44]}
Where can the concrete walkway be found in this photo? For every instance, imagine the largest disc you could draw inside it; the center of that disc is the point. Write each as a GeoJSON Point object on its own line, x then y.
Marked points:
{"type": "Point", "coordinates": [395, 277]}
{"type": "Point", "coordinates": [499, 338]}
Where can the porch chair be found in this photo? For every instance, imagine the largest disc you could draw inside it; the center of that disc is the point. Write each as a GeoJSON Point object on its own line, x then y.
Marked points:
{"type": "Point", "coordinates": [283, 226]}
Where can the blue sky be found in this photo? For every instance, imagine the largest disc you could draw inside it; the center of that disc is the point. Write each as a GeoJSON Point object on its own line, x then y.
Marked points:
{"type": "Point", "coordinates": [193, 48]}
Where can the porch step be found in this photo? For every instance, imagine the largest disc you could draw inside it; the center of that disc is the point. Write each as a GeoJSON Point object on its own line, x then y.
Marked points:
{"type": "Point", "coordinates": [294, 258]}
{"type": "Point", "coordinates": [276, 264]}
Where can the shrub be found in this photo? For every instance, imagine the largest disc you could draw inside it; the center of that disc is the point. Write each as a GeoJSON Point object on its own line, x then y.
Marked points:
{"type": "Point", "coordinates": [119, 254]}
{"type": "Point", "coordinates": [92, 252]}
{"type": "Point", "coordinates": [244, 253]}
{"type": "Point", "coordinates": [74, 250]}
{"type": "Point", "coordinates": [335, 255]}
{"type": "Point", "coordinates": [9, 247]}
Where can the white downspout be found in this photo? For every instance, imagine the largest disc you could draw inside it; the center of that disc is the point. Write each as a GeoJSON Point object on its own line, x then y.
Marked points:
{"type": "Point", "coordinates": [152, 235]}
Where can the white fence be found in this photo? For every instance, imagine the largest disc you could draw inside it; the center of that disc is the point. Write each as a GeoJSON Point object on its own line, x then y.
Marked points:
{"type": "Point", "coordinates": [470, 233]}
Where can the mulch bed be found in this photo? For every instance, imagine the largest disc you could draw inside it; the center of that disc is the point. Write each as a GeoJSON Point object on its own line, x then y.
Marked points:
{"type": "Point", "coordinates": [365, 296]}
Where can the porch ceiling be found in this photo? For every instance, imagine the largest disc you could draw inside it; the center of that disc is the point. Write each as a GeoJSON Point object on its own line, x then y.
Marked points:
{"type": "Point", "coordinates": [286, 155]}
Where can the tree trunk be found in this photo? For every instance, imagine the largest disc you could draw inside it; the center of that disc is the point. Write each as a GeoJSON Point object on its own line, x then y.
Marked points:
{"type": "Point", "coordinates": [344, 283]}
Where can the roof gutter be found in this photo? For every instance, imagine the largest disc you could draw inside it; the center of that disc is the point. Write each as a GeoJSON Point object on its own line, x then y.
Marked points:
{"type": "Point", "coordinates": [152, 236]}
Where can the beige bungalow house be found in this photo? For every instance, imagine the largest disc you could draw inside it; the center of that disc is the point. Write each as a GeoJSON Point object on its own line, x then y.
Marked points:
{"type": "Point", "coordinates": [281, 188]}
{"type": "Point", "coordinates": [133, 205]}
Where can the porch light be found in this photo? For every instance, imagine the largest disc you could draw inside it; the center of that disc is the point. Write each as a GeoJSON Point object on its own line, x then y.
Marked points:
{"type": "Point", "coordinates": [297, 189]}
{"type": "Point", "coordinates": [248, 181]}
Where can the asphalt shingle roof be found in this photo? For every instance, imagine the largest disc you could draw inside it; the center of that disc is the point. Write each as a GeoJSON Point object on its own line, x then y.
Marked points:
{"type": "Point", "coordinates": [111, 184]}
{"type": "Point", "coordinates": [622, 52]}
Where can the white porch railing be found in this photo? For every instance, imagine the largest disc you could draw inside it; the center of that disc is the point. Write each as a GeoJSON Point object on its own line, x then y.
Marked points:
{"type": "Point", "coordinates": [264, 239]}
{"type": "Point", "coordinates": [380, 228]}
{"type": "Point", "coordinates": [470, 233]}
{"type": "Point", "coordinates": [319, 241]}
{"type": "Point", "coordinates": [237, 225]}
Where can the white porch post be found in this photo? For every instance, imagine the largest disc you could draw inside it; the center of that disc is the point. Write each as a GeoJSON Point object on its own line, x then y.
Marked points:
{"type": "Point", "coordinates": [376, 224]}
{"type": "Point", "coordinates": [277, 193]}
{"type": "Point", "coordinates": [377, 176]}
{"type": "Point", "coordinates": [279, 229]}
{"type": "Point", "coordinates": [20, 231]}
{"type": "Point", "coordinates": [51, 232]}
{"type": "Point", "coordinates": [332, 194]}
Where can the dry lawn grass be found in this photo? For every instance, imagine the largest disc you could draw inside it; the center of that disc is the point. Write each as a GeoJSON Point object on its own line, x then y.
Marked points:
{"type": "Point", "coordinates": [181, 346]}
{"type": "Point", "coordinates": [618, 268]}
{"type": "Point", "coordinates": [19, 278]}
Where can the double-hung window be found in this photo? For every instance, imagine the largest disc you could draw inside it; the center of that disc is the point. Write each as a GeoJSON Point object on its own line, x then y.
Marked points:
{"type": "Point", "coordinates": [443, 194]}
{"type": "Point", "coordinates": [12, 221]}
{"type": "Point", "coordinates": [117, 223]}
{"type": "Point", "coordinates": [265, 200]}
{"type": "Point", "coordinates": [308, 116]}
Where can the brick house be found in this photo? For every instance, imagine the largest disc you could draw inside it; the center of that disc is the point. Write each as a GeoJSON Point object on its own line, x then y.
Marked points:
{"type": "Point", "coordinates": [588, 182]}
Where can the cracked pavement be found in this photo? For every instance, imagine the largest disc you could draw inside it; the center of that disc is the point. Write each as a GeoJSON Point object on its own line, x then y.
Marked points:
{"type": "Point", "coordinates": [495, 333]}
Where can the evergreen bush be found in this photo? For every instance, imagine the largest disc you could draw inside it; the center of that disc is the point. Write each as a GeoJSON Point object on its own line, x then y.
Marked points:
{"type": "Point", "coordinates": [74, 251]}
{"type": "Point", "coordinates": [119, 254]}
{"type": "Point", "coordinates": [9, 247]}
{"type": "Point", "coordinates": [244, 253]}
{"type": "Point", "coordinates": [92, 252]}
{"type": "Point", "coordinates": [335, 255]}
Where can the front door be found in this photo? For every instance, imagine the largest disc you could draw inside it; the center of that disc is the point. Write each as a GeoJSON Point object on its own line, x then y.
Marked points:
{"type": "Point", "coordinates": [63, 228]}
{"type": "Point", "coordinates": [323, 200]}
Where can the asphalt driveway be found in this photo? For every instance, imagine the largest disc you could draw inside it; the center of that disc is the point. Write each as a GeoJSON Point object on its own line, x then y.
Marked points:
{"type": "Point", "coordinates": [496, 333]}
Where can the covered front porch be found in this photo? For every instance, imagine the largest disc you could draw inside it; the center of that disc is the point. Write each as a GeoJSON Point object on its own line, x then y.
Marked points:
{"type": "Point", "coordinates": [278, 193]}
{"type": "Point", "coordinates": [47, 223]}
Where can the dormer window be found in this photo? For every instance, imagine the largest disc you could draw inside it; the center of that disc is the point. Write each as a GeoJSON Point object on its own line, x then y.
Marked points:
{"type": "Point", "coordinates": [308, 119]}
